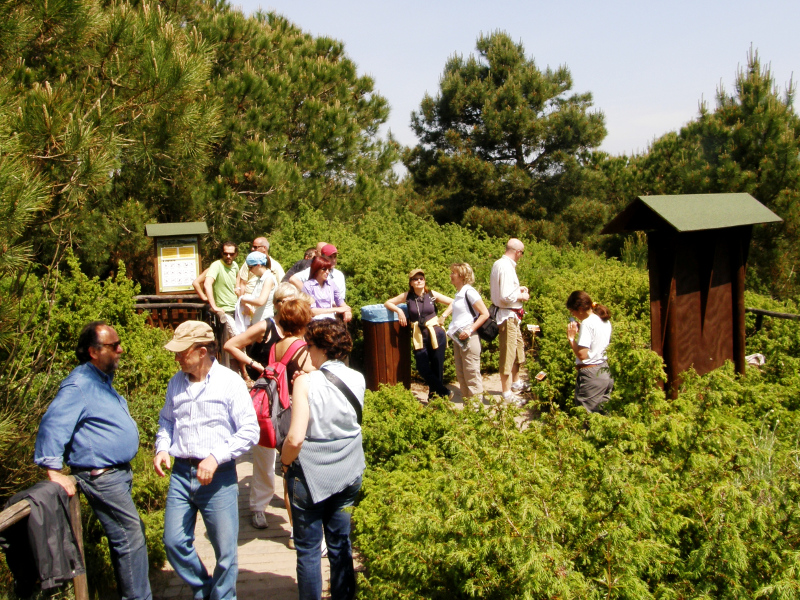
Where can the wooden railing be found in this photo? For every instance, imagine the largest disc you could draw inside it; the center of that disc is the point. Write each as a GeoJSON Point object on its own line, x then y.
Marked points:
{"type": "Point", "coordinates": [167, 312]}
{"type": "Point", "coordinates": [760, 313]}
{"type": "Point", "coordinates": [22, 509]}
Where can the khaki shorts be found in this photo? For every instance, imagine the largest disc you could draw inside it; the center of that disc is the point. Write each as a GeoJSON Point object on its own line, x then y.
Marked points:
{"type": "Point", "coordinates": [512, 348]}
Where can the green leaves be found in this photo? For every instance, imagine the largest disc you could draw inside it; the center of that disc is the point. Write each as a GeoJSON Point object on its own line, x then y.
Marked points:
{"type": "Point", "coordinates": [502, 135]}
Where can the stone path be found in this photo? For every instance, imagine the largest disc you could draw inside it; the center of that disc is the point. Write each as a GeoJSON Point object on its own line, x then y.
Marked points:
{"type": "Point", "coordinates": [267, 567]}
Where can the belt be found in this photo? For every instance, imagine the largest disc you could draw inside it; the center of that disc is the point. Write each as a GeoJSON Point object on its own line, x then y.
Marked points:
{"type": "Point", "coordinates": [579, 367]}
{"type": "Point", "coordinates": [194, 462]}
{"type": "Point", "coordinates": [96, 472]}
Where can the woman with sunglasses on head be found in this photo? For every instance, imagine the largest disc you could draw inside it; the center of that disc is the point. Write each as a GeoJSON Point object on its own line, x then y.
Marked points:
{"type": "Point", "coordinates": [428, 336]}
{"type": "Point", "coordinates": [589, 342]}
{"type": "Point", "coordinates": [469, 313]}
{"type": "Point", "coordinates": [323, 460]}
{"type": "Point", "coordinates": [251, 349]}
{"type": "Point", "coordinates": [327, 298]}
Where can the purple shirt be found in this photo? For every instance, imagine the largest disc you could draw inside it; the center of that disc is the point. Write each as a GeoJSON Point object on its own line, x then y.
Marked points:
{"type": "Point", "coordinates": [325, 296]}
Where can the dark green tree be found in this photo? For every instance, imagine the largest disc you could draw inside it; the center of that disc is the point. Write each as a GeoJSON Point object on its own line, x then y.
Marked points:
{"type": "Point", "coordinates": [300, 125]}
{"type": "Point", "coordinates": [750, 143]}
{"type": "Point", "coordinates": [502, 135]}
{"type": "Point", "coordinates": [112, 113]}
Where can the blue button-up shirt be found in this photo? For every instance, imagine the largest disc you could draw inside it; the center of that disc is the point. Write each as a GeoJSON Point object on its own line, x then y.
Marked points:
{"type": "Point", "coordinates": [87, 423]}
{"type": "Point", "coordinates": [213, 416]}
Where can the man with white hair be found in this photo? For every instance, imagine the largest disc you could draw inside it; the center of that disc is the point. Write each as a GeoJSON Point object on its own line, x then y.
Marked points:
{"type": "Point", "coordinates": [508, 296]}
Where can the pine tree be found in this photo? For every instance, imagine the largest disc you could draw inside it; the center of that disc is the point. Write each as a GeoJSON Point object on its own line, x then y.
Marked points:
{"type": "Point", "coordinates": [750, 143]}
{"type": "Point", "coordinates": [502, 135]}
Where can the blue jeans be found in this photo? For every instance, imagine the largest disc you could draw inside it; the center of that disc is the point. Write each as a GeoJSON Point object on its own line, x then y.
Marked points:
{"type": "Point", "coordinates": [109, 495]}
{"type": "Point", "coordinates": [218, 503]}
{"type": "Point", "coordinates": [309, 522]}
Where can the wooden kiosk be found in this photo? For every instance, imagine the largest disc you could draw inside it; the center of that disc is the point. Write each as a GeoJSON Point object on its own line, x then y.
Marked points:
{"type": "Point", "coordinates": [697, 255]}
{"type": "Point", "coordinates": [177, 264]}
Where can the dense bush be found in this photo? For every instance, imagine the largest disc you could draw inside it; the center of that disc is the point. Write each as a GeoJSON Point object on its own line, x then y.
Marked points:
{"type": "Point", "coordinates": [56, 317]}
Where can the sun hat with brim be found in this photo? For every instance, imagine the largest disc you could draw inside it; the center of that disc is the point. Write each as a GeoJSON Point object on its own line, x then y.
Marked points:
{"type": "Point", "coordinates": [256, 258]}
{"type": "Point", "coordinates": [329, 250]}
{"type": "Point", "coordinates": [415, 272]}
{"type": "Point", "coordinates": [188, 333]}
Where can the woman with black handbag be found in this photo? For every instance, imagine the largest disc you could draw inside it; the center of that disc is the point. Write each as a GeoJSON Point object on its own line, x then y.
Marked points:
{"type": "Point", "coordinates": [469, 314]}
{"type": "Point", "coordinates": [323, 460]}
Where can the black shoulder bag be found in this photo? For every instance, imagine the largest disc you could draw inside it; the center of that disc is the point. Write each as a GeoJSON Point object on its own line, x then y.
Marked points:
{"type": "Point", "coordinates": [351, 397]}
{"type": "Point", "coordinates": [489, 330]}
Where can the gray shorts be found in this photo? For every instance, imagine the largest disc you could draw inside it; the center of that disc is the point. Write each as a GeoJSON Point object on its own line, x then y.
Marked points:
{"type": "Point", "coordinates": [593, 387]}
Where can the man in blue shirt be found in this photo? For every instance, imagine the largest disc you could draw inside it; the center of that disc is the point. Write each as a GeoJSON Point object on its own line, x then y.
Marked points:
{"type": "Point", "coordinates": [207, 421]}
{"type": "Point", "coordinates": [89, 426]}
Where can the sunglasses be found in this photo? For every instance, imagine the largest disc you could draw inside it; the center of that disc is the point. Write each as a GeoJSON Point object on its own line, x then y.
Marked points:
{"type": "Point", "coordinates": [229, 254]}
{"type": "Point", "coordinates": [418, 278]}
{"type": "Point", "coordinates": [113, 345]}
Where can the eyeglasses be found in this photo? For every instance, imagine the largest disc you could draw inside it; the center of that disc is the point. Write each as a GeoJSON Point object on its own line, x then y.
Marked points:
{"type": "Point", "coordinates": [254, 248]}
{"type": "Point", "coordinates": [113, 345]}
{"type": "Point", "coordinates": [184, 353]}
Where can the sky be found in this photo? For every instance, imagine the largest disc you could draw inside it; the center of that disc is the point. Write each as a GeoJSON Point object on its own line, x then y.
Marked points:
{"type": "Point", "coordinates": [647, 64]}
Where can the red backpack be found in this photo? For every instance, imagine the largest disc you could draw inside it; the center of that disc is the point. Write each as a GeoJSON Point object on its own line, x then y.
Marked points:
{"type": "Point", "coordinates": [271, 400]}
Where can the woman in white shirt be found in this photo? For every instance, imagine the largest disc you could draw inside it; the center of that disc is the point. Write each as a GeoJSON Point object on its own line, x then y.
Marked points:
{"type": "Point", "coordinates": [589, 342]}
{"type": "Point", "coordinates": [469, 313]}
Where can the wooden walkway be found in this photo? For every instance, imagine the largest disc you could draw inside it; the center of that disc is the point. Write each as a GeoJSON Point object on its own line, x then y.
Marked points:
{"type": "Point", "coordinates": [267, 567]}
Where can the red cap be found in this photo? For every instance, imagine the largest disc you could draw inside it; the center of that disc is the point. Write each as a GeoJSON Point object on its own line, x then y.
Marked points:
{"type": "Point", "coordinates": [329, 250]}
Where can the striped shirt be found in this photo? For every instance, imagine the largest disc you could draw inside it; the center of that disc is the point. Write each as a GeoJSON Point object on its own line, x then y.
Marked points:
{"type": "Point", "coordinates": [211, 417]}
{"type": "Point", "coordinates": [332, 456]}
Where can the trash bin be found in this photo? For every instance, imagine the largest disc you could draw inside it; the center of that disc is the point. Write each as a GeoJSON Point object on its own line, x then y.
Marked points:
{"type": "Point", "coordinates": [387, 347]}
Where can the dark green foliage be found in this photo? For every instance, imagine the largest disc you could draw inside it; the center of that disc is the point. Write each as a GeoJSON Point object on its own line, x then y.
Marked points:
{"type": "Point", "coordinates": [749, 143]}
{"type": "Point", "coordinates": [684, 500]}
{"type": "Point", "coordinates": [52, 313]}
{"type": "Point", "coordinates": [503, 141]}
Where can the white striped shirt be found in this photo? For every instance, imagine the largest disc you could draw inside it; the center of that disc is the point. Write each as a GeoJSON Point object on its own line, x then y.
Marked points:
{"type": "Point", "coordinates": [215, 417]}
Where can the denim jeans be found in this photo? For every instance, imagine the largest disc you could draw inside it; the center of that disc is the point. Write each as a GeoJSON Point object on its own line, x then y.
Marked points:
{"type": "Point", "coordinates": [109, 495]}
{"type": "Point", "coordinates": [309, 522]}
{"type": "Point", "coordinates": [218, 505]}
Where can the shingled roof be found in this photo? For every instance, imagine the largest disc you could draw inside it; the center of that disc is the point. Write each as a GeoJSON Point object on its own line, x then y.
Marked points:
{"type": "Point", "coordinates": [691, 212]}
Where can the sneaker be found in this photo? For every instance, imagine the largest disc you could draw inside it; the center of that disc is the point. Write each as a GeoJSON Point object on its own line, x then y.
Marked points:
{"type": "Point", "coordinates": [324, 548]}
{"type": "Point", "coordinates": [259, 519]}
{"type": "Point", "coordinates": [520, 386]}
{"type": "Point", "coordinates": [290, 543]}
{"type": "Point", "coordinates": [512, 398]}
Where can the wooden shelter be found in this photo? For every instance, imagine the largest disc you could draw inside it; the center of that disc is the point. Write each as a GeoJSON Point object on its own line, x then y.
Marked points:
{"type": "Point", "coordinates": [697, 254]}
{"type": "Point", "coordinates": [177, 264]}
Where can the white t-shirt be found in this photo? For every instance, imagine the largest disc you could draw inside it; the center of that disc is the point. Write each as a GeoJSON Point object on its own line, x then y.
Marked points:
{"type": "Point", "coordinates": [594, 334]}
{"type": "Point", "coordinates": [461, 313]}
{"type": "Point", "coordinates": [335, 275]}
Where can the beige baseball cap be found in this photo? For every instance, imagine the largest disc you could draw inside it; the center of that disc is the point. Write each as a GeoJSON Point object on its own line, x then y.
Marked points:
{"type": "Point", "coordinates": [188, 333]}
{"type": "Point", "coordinates": [414, 272]}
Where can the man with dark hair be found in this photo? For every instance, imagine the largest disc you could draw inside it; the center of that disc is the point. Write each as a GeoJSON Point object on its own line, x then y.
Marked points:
{"type": "Point", "coordinates": [220, 288]}
{"type": "Point", "coordinates": [304, 263]}
{"type": "Point", "coordinates": [88, 425]}
{"type": "Point", "coordinates": [207, 421]}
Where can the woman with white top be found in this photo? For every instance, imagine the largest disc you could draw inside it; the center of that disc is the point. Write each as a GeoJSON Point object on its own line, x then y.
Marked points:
{"type": "Point", "coordinates": [469, 313]}
{"type": "Point", "coordinates": [323, 460]}
{"type": "Point", "coordinates": [589, 342]}
{"type": "Point", "coordinates": [255, 307]}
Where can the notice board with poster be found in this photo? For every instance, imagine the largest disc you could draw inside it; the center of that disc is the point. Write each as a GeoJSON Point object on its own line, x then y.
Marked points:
{"type": "Point", "coordinates": [177, 260]}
